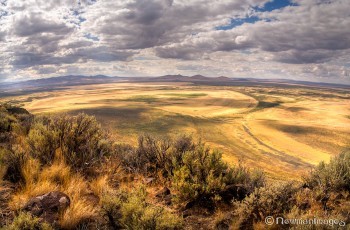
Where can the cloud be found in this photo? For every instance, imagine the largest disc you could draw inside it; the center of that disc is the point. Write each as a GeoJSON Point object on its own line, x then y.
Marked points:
{"type": "Point", "coordinates": [2, 36]}
{"type": "Point", "coordinates": [143, 37]}
{"type": "Point", "coordinates": [309, 33]}
{"type": "Point", "coordinates": [34, 23]}
{"type": "Point", "coordinates": [81, 55]}
{"type": "Point", "coordinates": [144, 24]}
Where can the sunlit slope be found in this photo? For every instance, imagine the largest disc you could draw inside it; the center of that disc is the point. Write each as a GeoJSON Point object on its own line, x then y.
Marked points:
{"type": "Point", "coordinates": [284, 130]}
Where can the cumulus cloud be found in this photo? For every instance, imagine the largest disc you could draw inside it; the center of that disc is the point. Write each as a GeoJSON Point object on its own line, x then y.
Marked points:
{"type": "Point", "coordinates": [34, 23]}
{"type": "Point", "coordinates": [307, 33]}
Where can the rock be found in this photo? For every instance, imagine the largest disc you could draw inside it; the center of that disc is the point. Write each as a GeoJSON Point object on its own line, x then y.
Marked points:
{"type": "Point", "coordinates": [148, 180]}
{"type": "Point", "coordinates": [163, 192]}
{"type": "Point", "coordinates": [48, 206]}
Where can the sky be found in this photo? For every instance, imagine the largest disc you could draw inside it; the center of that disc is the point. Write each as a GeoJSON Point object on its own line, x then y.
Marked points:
{"type": "Point", "coordinates": [278, 39]}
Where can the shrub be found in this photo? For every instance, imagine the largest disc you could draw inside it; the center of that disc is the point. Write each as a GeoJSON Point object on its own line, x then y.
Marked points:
{"type": "Point", "coordinates": [24, 121]}
{"type": "Point", "coordinates": [14, 160]}
{"type": "Point", "coordinates": [274, 200]}
{"type": "Point", "coordinates": [193, 169]}
{"type": "Point", "coordinates": [43, 142]}
{"type": "Point", "coordinates": [202, 172]}
{"type": "Point", "coordinates": [79, 138]}
{"type": "Point", "coordinates": [6, 120]}
{"type": "Point", "coordinates": [334, 176]}
{"type": "Point", "coordinates": [154, 156]}
{"type": "Point", "coordinates": [13, 121]}
{"type": "Point", "coordinates": [132, 211]}
{"type": "Point", "coordinates": [153, 153]}
{"type": "Point", "coordinates": [26, 221]}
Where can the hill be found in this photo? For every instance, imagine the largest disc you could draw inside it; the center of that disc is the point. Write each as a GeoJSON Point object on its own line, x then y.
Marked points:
{"type": "Point", "coordinates": [56, 83]}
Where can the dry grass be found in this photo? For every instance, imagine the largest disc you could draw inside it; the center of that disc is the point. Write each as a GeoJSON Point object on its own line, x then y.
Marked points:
{"type": "Point", "coordinates": [100, 185]}
{"type": "Point", "coordinates": [59, 177]}
{"type": "Point", "coordinates": [31, 171]}
{"type": "Point", "coordinates": [34, 185]}
{"type": "Point", "coordinates": [78, 212]}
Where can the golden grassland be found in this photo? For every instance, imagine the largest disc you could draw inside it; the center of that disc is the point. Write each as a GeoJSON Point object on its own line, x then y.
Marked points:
{"type": "Point", "coordinates": [283, 131]}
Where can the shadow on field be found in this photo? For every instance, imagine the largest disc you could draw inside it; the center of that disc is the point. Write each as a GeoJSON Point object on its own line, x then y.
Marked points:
{"type": "Point", "coordinates": [113, 112]}
{"type": "Point", "coordinates": [294, 129]}
{"type": "Point", "coordinates": [296, 109]}
{"type": "Point", "coordinates": [140, 120]}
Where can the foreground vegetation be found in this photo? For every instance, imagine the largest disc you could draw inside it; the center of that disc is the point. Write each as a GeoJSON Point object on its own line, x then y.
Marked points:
{"type": "Point", "coordinates": [157, 184]}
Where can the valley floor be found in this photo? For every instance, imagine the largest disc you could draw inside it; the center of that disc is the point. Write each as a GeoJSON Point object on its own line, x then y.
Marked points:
{"type": "Point", "coordinates": [282, 130]}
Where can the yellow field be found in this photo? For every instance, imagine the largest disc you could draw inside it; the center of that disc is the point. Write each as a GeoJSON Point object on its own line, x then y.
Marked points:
{"type": "Point", "coordinates": [281, 130]}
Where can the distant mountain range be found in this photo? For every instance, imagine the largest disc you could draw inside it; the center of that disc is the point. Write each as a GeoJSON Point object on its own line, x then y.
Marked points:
{"type": "Point", "coordinates": [55, 83]}
{"type": "Point", "coordinates": [181, 78]}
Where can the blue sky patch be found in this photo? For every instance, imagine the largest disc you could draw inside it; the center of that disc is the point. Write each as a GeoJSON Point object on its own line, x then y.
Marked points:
{"type": "Point", "coordinates": [269, 6]}
{"type": "Point", "coordinates": [91, 37]}
{"type": "Point", "coordinates": [237, 22]}
{"type": "Point", "coordinates": [275, 5]}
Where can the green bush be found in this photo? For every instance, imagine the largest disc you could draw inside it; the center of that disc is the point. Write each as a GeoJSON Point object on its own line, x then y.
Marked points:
{"type": "Point", "coordinates": [12, 161]}
{"type": "Point", "coordinates": [334, 176]}
{"type": "Point", "coordinates": [43, 142]}
{"type": "Point", "coordinates": [80, 138]}
{"type": "Point", "coordinates": [274, 200]}
{"type": "Point", "coordinates": [154, 157]}
{"type": "Point", "coordinates": [24, 124]}
{"type": "Point", "coordinates": [202, 172]}
{"type": "Point", "coordinates": [193, 170]}
{"type": "Point", "coordinates": [6, 120]}
{"type": "Point", "coordinates": [132, 211]}
{"type": "Point", "coordinates": [26, 221]}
